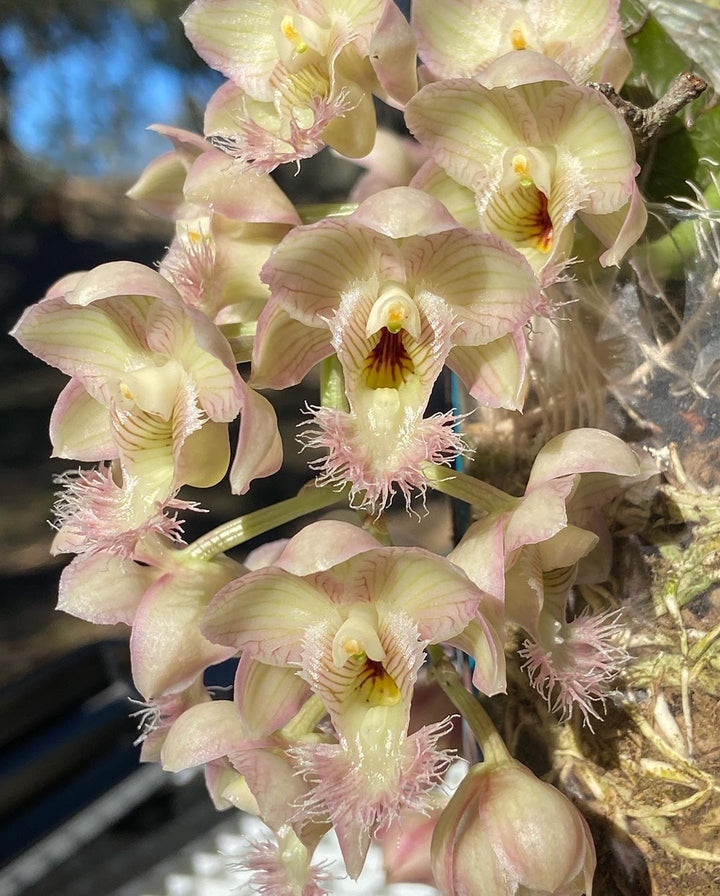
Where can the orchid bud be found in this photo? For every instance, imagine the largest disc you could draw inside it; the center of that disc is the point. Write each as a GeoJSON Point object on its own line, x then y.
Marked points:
{"type": "Point", "coordinates": [506, 833]}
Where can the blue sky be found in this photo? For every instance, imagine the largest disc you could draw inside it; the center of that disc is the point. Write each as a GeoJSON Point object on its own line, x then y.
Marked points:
{"type": "Point", "coordinates": [85, 107]}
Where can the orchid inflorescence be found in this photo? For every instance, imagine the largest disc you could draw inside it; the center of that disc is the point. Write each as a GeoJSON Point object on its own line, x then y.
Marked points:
{"type": "Point", "coordinates": [450, 251]}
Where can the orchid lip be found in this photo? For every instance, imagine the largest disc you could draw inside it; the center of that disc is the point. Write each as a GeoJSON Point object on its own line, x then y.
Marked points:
{"type": "Point", "coordinates": [388, 364]}
{"type": "Point", "coordinates": [523, 218]}
{"type": "Point", "coordinates": [375, 686]}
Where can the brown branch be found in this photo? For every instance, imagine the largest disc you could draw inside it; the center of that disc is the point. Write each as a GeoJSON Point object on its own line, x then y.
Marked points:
{"type": "Point", "coordinates": [646, 123]}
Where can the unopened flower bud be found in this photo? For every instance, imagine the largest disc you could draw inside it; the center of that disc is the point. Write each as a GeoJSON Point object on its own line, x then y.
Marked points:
{"type": "Point", "coordinates": [506, 833]}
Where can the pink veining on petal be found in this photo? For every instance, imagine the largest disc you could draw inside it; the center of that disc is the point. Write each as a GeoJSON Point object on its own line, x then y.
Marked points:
{"type": "Point", "coordinates": [348, 460]}
{"type": "Point", "coordinates": [578, 669]}
{"type": "Point", "coordinates": [95, 514]}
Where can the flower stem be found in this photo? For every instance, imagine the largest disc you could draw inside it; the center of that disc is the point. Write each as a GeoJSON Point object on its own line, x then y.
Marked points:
{"type": "Point", "coordinates": [243, 528]}
{"type": "Point", "coordinates": [442, 670]}
{"type": "Point", "coordinates": [332, 384]}
{"type": "Point", "coordinates": [305, 719]}
{"type": "Point", "coordinates": [468, 488]}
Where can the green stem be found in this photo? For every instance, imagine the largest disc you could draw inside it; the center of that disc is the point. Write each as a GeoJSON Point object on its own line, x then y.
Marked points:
{"type": "Point", "coordinates": [243, 528]}
{"type": "Point", "coordinates": [442, 670]}
{"type": "Point", "coordinates": [468, 488]}
{"type": "Point", "coordinates": [306, 719]}
{"type": "Point", "coordinates": [310, 214]}
{"type": "Point", "coordinates": [332, 385]}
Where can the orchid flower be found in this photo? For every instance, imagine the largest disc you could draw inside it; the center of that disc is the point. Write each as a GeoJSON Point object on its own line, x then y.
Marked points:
{"type": "Point", "coordinates": [527, 556]}
{"type": "Point", "coordinates": [353, 618]}
{"type": "Point", "coordinates": [302, 74]}
{"type": "Point", "coordinates": [396, 290]}
{"type": "Point", "coordinates": [585, 37]}
{"type": "Point", "coordinates": [226, 224]}
{"type": "Point", "coordinates": [153, 387]}
{"type": "Point", "coordinates": [536, 151]}
{"type": "Point", "coordinates": [243, 755]}
{"type": "Point", "coordinates": [490, 545]}
{"type": "Point", "coordinates": [161, 593]}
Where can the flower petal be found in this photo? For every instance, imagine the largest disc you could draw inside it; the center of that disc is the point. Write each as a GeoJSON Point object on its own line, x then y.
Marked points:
{"type": "Point", "coordinates": [187, 144]}
{"type": "Point", "coordinates": [362, 801]}
{"type": "Point", "coordinates": [315, 264]}
{"type": "Point", "coordinates": [481, 554]}
{"type": "Point", "coordinates": [322, 545]}
{"type": "Point", "coordinates": [351, 130]}
{"type": "Point", "coordinates": [392, 52]}
{"type": "Point", "coordinates": [237, 38]}
{"type": "Point", "coordinates": [566, 547]}
{"type": "Point", "coordinates": [467, 129]}
{"type": "Point", "coordinates": [202, 734]}
{"type": "Point", "coordinates": [484, 640]}
{"type": "Point", "coordinates": [437, 596]}
{"type": "Point", "coordinates": [80, 426]}
{"type": "Point", "coordinates": [213, 181]}
{"type": "Point", "coordinates": [159, 189]}
{"type": "Point", "coordinates": [457, 199]}
{"type": "Point", "coordinates": [458, 43]}
{"type": "Point", "coordinates": [227, 788]}
{"type": "Point", "coordinates": [285, 350]}
{"type": "Point", "coordinates": [525, 67]}
{"type": "Point", "coordinates": [104, 588]}
{"type": "Point", "coordinates": [490, 287]}
{"type": "Point", "coordinates": [584, 123]}
{"type": "Point", "coordinates": [580, 34]}
{"type": "Point", "coordinates": [495, 374]}
{"type": "Point", "coordinates": [403, 211]}
{"type": "Point", "coordinates": [188, 336]}
{"type": "Point", "coordinates": [259, 450]}
{"type": "Point", "coordinates": [272, 779]}
{"type": "Point", "coordinates": [267, 614]}
{"type": "Point", "coordinates": [146, 448]}
{"type": "Point", "coordinates": [540, 514]}
{"type": "Point", "coordinates": [267, 697]}
{"type": "Point", "coordinates": [86, 343]}
{"type": "Point", "coordinates": [525, 589]}
{"type": "Point", "coordinates": [168, 651]}
{"type": "Point", "coordinates": [122, 278]}
{"type": "Point", "coordinates": [583, 451]}
{"type": "Point", "coordinates": [619, 230]}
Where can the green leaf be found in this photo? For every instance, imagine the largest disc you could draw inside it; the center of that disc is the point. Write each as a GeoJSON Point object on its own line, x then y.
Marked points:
{"type": "Point", "coordinates": [632, 16]}
{"type": "Point", "coordinates": [657, 58]}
